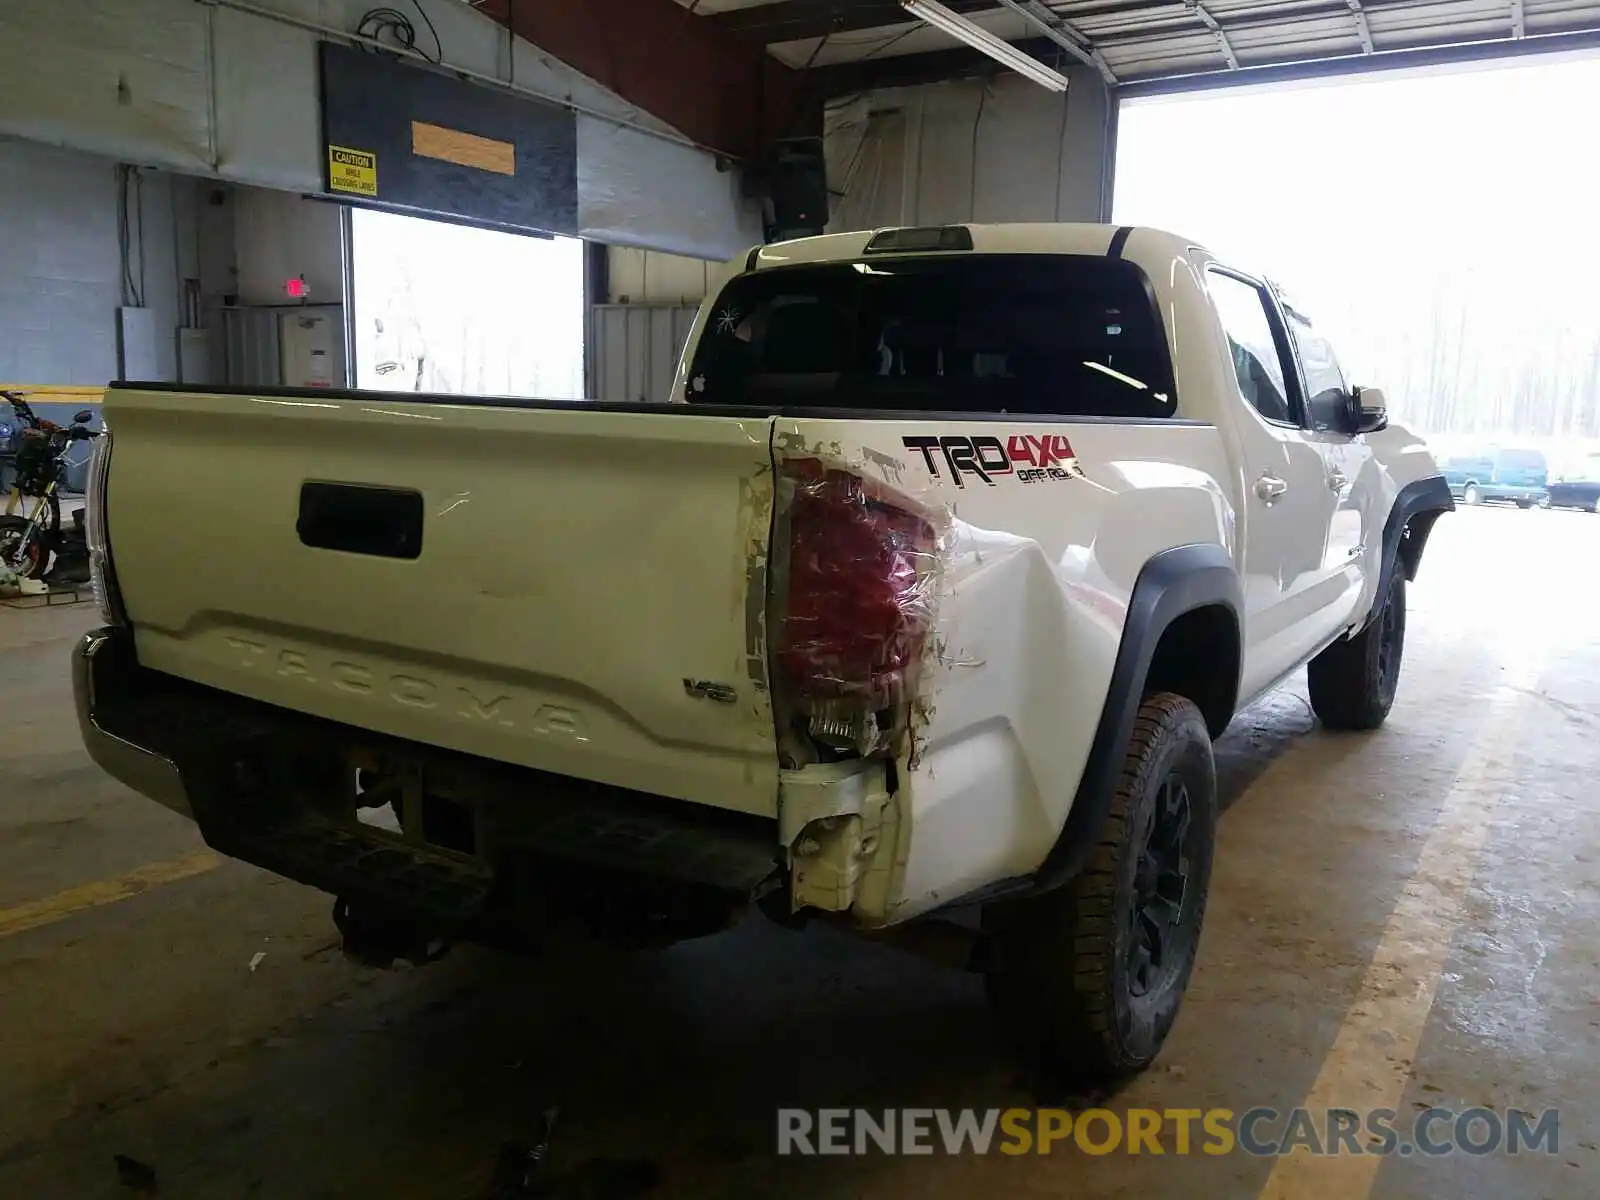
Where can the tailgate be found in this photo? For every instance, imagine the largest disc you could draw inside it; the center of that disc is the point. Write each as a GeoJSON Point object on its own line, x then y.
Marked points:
{"type": "Point", "coordinates": [586, 597]}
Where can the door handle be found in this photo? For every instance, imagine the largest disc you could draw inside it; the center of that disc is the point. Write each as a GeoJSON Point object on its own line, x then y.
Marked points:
{"type": "Point", "coordinates": [1338, 480]}
{"type": "Point", "coordinates": [1270, 488]}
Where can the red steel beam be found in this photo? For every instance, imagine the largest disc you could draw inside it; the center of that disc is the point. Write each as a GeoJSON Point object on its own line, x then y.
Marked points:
{"type": "Point", "coordinates": [709, 84]}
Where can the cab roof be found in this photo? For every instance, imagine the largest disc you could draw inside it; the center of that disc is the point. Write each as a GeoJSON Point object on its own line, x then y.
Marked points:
{"type": "Point", "coordinates": [1136, 242]}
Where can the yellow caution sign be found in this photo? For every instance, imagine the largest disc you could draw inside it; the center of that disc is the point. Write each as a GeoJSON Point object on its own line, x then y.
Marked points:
{"type": "Point", "coordinates": [354, 172]}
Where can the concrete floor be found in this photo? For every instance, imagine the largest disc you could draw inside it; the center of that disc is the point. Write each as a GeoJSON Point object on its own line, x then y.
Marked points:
{"type": "Point", "coordinates": [1398, 920]}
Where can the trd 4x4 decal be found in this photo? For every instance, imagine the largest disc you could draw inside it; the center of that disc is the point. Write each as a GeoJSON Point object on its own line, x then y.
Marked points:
{"type": "Point", "coordinates": [1031, 458]}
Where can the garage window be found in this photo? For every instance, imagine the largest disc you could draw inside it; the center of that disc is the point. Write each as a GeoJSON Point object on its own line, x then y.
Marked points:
{"type": "Point", "coordinates": [1037, 334]}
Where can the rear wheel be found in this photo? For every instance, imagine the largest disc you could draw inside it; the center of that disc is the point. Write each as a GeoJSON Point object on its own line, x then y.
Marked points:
{"type": "Point", "coordinates": [1472, 495]}
{"type": "Point", "coordinates": [1353, 681]}
{"type": "Point", "coordinates": [28, 560]}
{"type": "Point", "coordinates": [1086, 980]}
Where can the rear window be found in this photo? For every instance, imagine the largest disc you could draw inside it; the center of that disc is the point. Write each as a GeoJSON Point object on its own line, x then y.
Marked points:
{"type": "Point", "coordinates": [1059, 335]}
{"type": "Point", "coordinates": [1521, 460]}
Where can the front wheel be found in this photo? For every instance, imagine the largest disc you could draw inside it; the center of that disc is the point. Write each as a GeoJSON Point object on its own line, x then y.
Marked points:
{"type": "Point", "coordinates": [1353, 681]}
{"type": "Point", "coordinates": [28, 560]}
{"type": "Point", "coordinates": [1472, 495]}
{"type": "Point", "coordinates": [1085, 981]}
{"type": "Point", "coordinates": [1524, 503]}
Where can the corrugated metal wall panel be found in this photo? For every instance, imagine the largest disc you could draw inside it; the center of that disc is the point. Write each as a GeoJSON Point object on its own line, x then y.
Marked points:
{"type": "Point", "coordinates": [651, 277]}
{"type": "Point", "coordinates": [606, 340]}
{"type": "Point", "coordinates": [682, 322]}
{"type": "Point", "coordinates": [251, 347]}
{"type": "Point", "coordinates": [636, 349]}
{"type": "Point", "coordinates": [664, 351]}
{"type": "Point", "coordinates": [972, 150]}
{"type": "Point", "coordinates": [636, 354]}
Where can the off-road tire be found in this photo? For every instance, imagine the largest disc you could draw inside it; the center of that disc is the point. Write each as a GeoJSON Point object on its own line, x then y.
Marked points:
{"type": "Point", "coordinates": [1064, 979]}
{"type": "Point", "coordinates": [1353, 682]}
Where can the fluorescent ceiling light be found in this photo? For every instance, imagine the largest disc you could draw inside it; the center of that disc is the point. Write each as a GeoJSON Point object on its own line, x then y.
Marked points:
{"type": "Point", "coordinates": [978, 38]}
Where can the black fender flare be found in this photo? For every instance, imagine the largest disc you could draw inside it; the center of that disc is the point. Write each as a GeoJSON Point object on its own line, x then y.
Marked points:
{"type": "Point", "coordinates": [1405, 536]}
{"type": "Point", "coordinates": [1170, 584]}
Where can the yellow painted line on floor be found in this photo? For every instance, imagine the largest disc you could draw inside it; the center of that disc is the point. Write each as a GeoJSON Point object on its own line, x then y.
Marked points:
{"type": "Point", "coordinates": [103, 891]}
{"type": "Point", "coordinates": [1371, 1060]}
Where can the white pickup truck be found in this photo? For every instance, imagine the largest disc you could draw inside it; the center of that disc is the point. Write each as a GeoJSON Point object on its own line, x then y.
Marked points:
{"type": "Point", "coordinates": [925, 596]}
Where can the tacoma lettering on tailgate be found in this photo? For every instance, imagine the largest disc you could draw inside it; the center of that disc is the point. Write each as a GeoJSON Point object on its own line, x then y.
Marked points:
{"type": "Point", "coordinates": [460, 700]}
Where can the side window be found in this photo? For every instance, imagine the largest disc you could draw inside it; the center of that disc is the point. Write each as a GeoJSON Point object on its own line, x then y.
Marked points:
{"type": "Point", "coordinates": [1257, 363]}
{"type": "Point", "coordinates": [1326, 389]}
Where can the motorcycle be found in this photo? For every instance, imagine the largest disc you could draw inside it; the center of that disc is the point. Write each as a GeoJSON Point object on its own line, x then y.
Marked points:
{"type": "Point", "coordinates": [33, 542]}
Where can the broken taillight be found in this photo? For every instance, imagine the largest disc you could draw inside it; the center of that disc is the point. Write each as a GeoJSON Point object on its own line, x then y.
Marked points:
{"type": "Point", "coordinates": [858, 605]}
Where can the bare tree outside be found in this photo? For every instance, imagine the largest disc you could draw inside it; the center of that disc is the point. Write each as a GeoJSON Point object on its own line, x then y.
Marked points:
{"type": "Point", "coordinates": [1438, 226]}
{"type": "Point", "coordinates": [453, 310]}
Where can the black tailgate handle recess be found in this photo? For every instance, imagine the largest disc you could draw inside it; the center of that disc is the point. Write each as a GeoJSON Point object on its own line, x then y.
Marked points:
{"type": "Point", "coordinates": [360, 518]}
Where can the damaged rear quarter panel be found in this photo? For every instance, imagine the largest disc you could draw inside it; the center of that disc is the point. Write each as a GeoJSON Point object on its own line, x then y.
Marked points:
{"type": "Point", "coordinates": [1046, 527]}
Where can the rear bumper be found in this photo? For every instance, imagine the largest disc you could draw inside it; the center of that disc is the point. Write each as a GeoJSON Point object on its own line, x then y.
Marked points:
{"type": "Point", "coordinates": [1582, 495]}
{"type": "Point", "coordinates": [97, 671]}
{"type": "Point", "coordinates": [278, 789]}
{"type": "Point", "coordinates": [1511, 491]}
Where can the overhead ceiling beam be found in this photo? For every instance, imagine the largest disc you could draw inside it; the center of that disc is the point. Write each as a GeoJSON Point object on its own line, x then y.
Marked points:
{"type": "Point", "coordinates": [1210, 22]}
{"type": "Point", "coordinates": [1180, 24]}
{"type": "Point", "coordinates": [799, 20]}
{"type": "Point", "coordinates": [911, 69]}
{"type": "Point", "coordinates": [960, 28]}
{"type": "Point", "coordinates": [714, 88]}
{"type": "Point", "coordinates": [1184, 25]}
{"type": "Point", "coordinates": [847, 78]}
{"type": "Point", "coordinates": [1062, 34]}
{"type": "Point", "coordinates": [1363, 26]}
{"type": "Point", "coordinates": [1440, 54]}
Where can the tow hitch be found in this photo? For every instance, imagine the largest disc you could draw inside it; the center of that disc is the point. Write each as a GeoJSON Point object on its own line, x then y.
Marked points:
{"type": "Point", "coordinates": [375, 938]}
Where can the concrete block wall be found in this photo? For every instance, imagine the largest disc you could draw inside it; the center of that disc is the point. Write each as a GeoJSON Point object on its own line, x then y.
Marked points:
{"type": "Point", "coordinates": [60, 270]}
{"type": "Point", "coordinates": [61, 267]}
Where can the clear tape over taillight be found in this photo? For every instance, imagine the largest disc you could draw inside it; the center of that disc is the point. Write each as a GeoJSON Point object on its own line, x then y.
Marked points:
{"type": "Point", "coordinates": [860, 585]}
{"type": "Point", "coordinates": [102, 579]}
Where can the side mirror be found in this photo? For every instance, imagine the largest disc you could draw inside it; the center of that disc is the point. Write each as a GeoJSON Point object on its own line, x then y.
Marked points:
{"type": "Point", "coordinates": [1369, 412]}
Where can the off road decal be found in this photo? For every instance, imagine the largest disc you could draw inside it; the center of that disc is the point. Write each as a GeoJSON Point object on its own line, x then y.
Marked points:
{"type": "Point", "coordinates": [1027, 457]}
